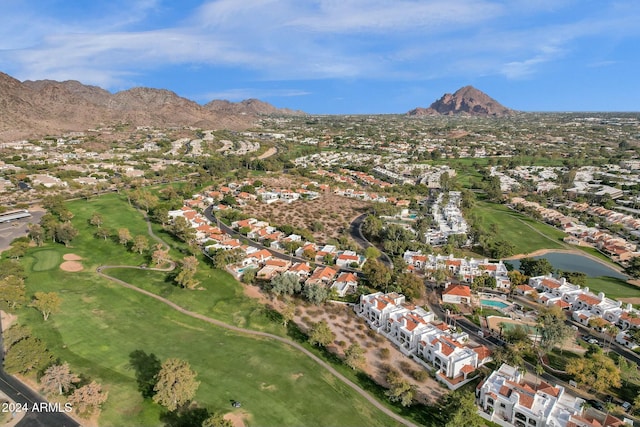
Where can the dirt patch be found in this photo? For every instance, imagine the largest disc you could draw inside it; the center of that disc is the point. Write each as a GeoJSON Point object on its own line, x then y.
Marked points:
{"type": "Point", "coordinates": [71, 257]}
{"type": "Point", "coordinates": [333, 212]}
{"type": "Point", "coordinates": [7, 320]}
{"type": "Point", "coordinates": [349, 328]}
{"type": "Point", "coordinates": [269, 387]}
{"type": "Point", "coordinates": [71, 266]}
{"type": "Point", "coordinates": [270, 152]}
{"type": "Point", "coordinates": [296, 376]}
{"type": "Point", "coordinates": [634, 300]}
{"type": "Point", "coordinates": [238, 419]}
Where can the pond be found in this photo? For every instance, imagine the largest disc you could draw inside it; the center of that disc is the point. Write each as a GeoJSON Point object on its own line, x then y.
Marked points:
{"type": "Point", "coordinates": [574, 262]}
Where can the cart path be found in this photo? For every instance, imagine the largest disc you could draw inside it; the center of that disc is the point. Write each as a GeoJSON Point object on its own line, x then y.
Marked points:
{"type": "Point", "coordinates": [100, 270]}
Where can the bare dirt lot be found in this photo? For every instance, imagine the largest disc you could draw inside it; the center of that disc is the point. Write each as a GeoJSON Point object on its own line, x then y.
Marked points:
{"type": "Point", "coordinates": [335, 213]}
{"type": "Point", "coordinates": [349, 328]}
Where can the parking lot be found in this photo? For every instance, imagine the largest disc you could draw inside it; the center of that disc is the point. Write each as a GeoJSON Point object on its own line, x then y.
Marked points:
{"type": "Point", "coordinates": [18, 228]}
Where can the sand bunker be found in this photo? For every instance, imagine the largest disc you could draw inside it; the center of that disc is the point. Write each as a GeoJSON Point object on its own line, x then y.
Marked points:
{"type": "Point", "coordinates": [7, 320]}
{"type": "Point", "coordinates": [236, 418]}
{"type": "Point", "coordinates": [71, 266]}
{"type": "Point", "coordinates": [71, 257]}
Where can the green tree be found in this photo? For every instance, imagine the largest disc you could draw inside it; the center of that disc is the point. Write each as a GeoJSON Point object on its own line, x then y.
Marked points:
{"type": "Point", "coordinates": [400, 390]}
{"type": "Point", "coordinates": [26, 355]}
{"type": "Point", "coordinates": [96, 220]}
{"type": "Point", "coordinates": [285, 284]}
{"type": "Point", "coordinates": [103, 233]}
{"type": "Point", "coordinates": [372, 253]}
{"type": "Point", "coordinates": [249, 275]}
{"type": "Point", "coordinates": [410, 285]}
{"type": "Point", "coordinates": [315, 293]}
{"type": "Point", "coordinates": [160, 255]}
{"type": "Point", "coordinates": [36, 234]}
{"type": "Point", "coordinates": [58, 378]}
{"type": "Point", "coordinates": [633, 269]}
{"type": "Point", "coordinates": [461, 410]}
{"type": "Point", "coordinates": [65, 232]}
{"type": "Point", "coordinates": [181, 228]}
{"type": "Point", "coordinates": [354, 356]}
{"type": "Point", "coordinates": [217, 420]}
{"type": "Point", "coordinates": [222, 257]}
{"type": "Point", "coordinates": [17, 249]}
{"type": "Point", "coordinates": [46, 303]}
{"type": "Point", "coordinates": [288, 312]}
{"type": "Point", "coordinates": [553, 330]}
{"type": "Point", "coordinates": [517, 278]}
{"type": "Point", "coordinates": [176, 384]}
{"type": "Point", "coordinates": [535, 267]}
{"type": "Point", "coordinates": [321, 334]}
{"type": "Point", "coordinates": [186, 276]}
{"type": "Point", "coordinates": [378, 274]}
{"type": "Point", "coordinates": [124, 236]}
{"type": "Point", "coordinates": [596, 371]}
{"type": "Point", "coordinates": [372, 227]}
{"type": "Point", "coordinates": [12, 292]}
{"type": "Point", "coordinates": [140, 244]}
{"type": "Point", "coordinates": [87, 399]}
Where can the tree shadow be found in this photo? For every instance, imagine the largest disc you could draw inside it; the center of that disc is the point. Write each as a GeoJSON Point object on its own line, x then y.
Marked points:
{"type": "Point", "coordinates": [147, 367]}
{"type": "Point", "coordinates": [185, 417]}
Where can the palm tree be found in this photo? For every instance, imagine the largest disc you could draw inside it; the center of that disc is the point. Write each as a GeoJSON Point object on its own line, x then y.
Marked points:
{"type": "Point", "coordinates": [611, 331]}
{"type": "Point", "coordinates": [539, 371]}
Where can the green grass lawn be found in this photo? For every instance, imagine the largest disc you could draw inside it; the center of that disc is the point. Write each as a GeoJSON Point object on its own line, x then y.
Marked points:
{"type": "Point", "coordinates": [559, 359]}
{"type": "Point", "coordinates": [612, 287]}
{"type": "Point", "coordinates": [47, 259]}
{"type": "Point", "coordinates": [101, 323]}
{"type": "Point", "coordinates": [526, 234]}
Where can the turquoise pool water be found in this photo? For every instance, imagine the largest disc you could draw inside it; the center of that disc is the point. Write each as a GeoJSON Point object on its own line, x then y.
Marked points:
{"type": "Point", "coordinates": [492, 303]}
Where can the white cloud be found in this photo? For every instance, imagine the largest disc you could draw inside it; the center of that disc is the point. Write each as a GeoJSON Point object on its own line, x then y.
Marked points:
{"type": "Point", "coordinates": [241, 94]}
{"type": "Point", "coordinates": [292, 39]}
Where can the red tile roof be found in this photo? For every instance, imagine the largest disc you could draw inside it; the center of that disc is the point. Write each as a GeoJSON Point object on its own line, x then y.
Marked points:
{"type": "Point", "coordinates": [459, 290]}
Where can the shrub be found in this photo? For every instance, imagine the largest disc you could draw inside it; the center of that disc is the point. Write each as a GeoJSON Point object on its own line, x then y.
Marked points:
{"type": "Point", "coordinates": [405, 366]}
{"type": "Point", "coordinates": [420, 375]}
{"type": "Point", "coordinates": [385, 353]}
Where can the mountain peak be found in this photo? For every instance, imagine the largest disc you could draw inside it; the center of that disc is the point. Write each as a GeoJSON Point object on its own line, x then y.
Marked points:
{"type": "Point", "coordinates": [467, 101]}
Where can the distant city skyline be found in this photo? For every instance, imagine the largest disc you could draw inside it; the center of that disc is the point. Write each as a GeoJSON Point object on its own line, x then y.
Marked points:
{"type": "Point", "coordinates": [336, 56]}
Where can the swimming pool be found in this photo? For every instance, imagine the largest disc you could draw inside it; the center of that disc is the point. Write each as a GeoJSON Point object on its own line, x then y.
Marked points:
{"type": "Point", "coordinates": [493, 303]}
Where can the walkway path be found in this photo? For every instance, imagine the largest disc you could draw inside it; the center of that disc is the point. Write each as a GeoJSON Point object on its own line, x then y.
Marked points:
{"type": "Point", "coordinates": [100, 270]}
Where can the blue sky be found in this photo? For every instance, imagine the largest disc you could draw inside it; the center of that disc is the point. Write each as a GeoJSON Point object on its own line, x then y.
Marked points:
{"type": "Point", "coordinates": [336, 56]}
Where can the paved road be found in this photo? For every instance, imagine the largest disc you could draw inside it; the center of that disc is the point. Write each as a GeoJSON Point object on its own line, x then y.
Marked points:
{"type": "Point", "coordinates": [355, 230]}
{"type": "Point", "coordinates": [23, 395]}
{"type": "Point", "coordinates": [100, 270]}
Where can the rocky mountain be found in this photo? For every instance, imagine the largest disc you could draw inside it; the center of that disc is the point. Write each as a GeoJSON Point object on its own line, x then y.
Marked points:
{"type": "Point", "coordinates": [465, 101]}
{"type": "Point", "coordinates": [36, 108]}
{"type": "Point", "coordinates": [250, 107]}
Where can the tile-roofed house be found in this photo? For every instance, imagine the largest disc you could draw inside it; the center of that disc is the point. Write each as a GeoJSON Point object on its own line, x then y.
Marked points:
{"type": "Point", "coordinates": [375, 308]}
{"type": "Point", "coordinates": [321, 276]}
{"type": "Point", "coordinates": [457, 294]}
{"type": "Point", "coordinates": [345, 283]}
{"type": "Point", "coordinates": [506, 399]}
{"type": "Point", "coordinates": [301, 269]}
{"type": "Point", "coordinates": [346, 258]}
{"type": "Point", "coordinates": [272, 267]}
